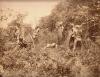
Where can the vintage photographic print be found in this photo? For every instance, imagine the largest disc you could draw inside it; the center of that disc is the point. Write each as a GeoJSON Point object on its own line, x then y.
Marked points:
{"type": "Point", "coordinates": [49, 38]}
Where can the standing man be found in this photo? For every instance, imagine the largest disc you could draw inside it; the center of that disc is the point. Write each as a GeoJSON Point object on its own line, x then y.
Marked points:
{"type": "Point", "coordinates": [76, 35]}
{"type": "Point", "coordinates": [60, 29]}
{"type": "Point", "coordinates": [20, 30]}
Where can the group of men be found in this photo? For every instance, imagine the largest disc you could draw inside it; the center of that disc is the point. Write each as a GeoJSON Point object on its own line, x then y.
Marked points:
{"type": "Point", "coordinates": [75, 35]}
{"type": "Point", "coordinates": [20, 29]}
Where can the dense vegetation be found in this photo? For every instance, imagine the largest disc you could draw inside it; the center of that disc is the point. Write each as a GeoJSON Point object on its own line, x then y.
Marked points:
{"type": "Point", "coordinates": [38, 61]}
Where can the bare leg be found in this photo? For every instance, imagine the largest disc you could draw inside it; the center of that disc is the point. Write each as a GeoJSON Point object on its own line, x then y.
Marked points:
{"type": "Point", "coordinates": [18, 39]}
{"type": "Point", "coordinates": [74, 46]}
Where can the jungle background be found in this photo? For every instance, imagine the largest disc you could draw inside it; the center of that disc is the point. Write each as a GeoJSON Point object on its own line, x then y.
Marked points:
{"type": "Point", "coordinates": [37, 60]}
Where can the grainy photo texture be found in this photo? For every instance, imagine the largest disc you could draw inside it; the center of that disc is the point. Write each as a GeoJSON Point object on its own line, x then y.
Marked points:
{"type": "Point", "coordinates": [49, 38]}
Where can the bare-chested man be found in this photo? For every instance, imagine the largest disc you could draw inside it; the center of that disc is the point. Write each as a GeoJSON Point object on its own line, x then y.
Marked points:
{"type": "Point", "coordinates": [76, 35]}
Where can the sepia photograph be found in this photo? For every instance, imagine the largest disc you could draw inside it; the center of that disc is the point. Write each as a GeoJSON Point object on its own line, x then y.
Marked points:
{"type": "Point", "coordinates": [49, 38]}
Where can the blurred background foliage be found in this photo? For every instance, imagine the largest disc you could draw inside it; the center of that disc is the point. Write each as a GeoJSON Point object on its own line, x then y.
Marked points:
{"type": "Point", "coordinates": [54, 62]}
